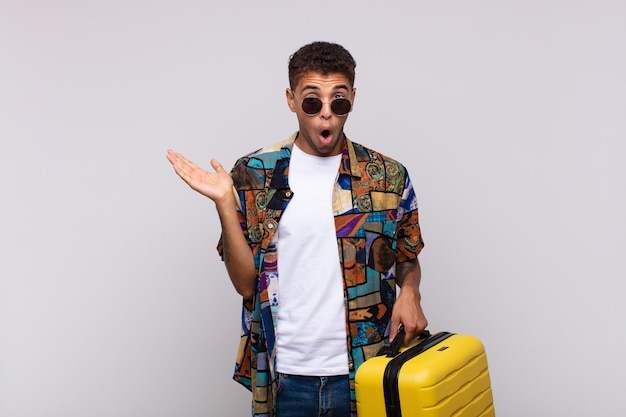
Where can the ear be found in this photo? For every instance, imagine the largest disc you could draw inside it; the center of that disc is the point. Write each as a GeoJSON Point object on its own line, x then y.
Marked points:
{"type": "Point", "coordinates": [353, 98]}
{"type": "Point", "coordinates": [291, 99]}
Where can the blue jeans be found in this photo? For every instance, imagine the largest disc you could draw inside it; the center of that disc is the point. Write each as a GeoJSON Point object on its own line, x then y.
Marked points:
{"type": "Point", "coordinates": [313, 396]}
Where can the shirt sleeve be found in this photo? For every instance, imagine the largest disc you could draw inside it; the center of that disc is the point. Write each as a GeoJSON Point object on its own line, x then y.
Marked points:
{"type": "Point", "coordinates": [409, 235]}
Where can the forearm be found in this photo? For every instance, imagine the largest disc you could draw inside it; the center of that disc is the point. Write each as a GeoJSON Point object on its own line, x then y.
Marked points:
{"type": "Point", "coordinates": [409, 275]}
{"type": "Point", "coordinates": [408, 309]}
{"type": "Point", "coordinates": [218, 186]}
{"type": "Point", "coordinates": [236, 252]}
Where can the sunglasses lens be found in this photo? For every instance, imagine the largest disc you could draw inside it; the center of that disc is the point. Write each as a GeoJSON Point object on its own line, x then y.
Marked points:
{"type": "Point", "coordinates": [311, 105]}
{"type": "Point", "coordinates": [340, 106]}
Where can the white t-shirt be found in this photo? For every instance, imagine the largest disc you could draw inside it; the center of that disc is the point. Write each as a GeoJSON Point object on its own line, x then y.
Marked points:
{"type": "Point", "coordinates": [311, 331]}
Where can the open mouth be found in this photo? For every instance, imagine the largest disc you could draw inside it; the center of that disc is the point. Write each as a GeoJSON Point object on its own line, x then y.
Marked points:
{"type": "Point", "coordinates": [325, 133]}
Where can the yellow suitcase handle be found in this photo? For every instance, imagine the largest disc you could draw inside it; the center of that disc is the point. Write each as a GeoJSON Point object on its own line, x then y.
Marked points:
{"type": "Point", "coordinates": [393, 348]}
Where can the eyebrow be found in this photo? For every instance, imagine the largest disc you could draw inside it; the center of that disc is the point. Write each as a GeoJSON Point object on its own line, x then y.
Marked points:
{"type": "Point", "coordinates": [336, 87]}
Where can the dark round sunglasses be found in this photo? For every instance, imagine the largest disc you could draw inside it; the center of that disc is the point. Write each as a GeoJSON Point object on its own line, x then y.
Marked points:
{"type": "Point", "coordinates": [313, 105]}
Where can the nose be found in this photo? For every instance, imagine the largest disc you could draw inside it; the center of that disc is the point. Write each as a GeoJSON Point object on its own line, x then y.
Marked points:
{"type": "Point", "coordinates": [326, 111]}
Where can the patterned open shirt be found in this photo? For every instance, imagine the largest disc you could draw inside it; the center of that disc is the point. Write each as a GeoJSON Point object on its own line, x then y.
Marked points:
{"type": "Point", "coordinates": [376, 221]}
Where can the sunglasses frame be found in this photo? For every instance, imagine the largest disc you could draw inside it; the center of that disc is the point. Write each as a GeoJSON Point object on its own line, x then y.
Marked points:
{"type": "Point", "coordinates": [322, 106]}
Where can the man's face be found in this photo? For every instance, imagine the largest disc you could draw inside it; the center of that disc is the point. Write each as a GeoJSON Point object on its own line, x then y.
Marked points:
{"type": "Point", "coordinates": [321, 134]}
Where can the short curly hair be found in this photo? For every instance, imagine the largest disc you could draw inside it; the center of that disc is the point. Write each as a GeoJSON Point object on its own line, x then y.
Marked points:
{"type": "Point", "coordinates": [323, 57]}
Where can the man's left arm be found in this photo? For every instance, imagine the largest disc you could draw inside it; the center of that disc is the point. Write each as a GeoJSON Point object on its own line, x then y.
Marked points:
{"type": "Point", "coordinates": [408, 309]}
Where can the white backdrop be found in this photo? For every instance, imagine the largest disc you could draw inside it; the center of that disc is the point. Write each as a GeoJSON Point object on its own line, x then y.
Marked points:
{"type": "Point", "coordinates": [509, 115]}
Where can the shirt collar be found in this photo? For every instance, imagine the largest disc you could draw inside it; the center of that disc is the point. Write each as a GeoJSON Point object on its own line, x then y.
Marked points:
{"type": "Point", "coordinates": [349, 162]}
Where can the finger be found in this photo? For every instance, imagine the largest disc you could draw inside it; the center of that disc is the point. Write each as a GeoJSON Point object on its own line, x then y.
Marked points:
{"type": "Point", "coordinates": [182, 166]}
{"type": "Point", "coordinates": [184, 161]}
{"type": "Point", "coordinates": [395, 325]}
{"type": "Point", "coordinates": [175, 158]}
{"type": "Point", "coordinates": [216, 165]}
{"type": "Point", "coordinates": [185, 167]}
{"type": "Point", "coordinates": [171, 155]}
{"type": "Point", "coordinates": [408, 336]}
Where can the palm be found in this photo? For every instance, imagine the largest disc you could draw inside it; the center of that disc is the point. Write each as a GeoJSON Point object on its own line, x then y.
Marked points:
{"type": "Point", "coordinates": [214, 185]}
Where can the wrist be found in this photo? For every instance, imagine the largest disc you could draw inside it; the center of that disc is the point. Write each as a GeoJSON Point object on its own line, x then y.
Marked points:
{"type": "Point", "coordinates": [227, 202]}
{"type": "Point", "coordinates": [410, 291]}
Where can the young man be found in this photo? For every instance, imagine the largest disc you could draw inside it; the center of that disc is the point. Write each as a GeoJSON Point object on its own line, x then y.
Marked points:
{"type": "Point", "coordinates": [315, 237]}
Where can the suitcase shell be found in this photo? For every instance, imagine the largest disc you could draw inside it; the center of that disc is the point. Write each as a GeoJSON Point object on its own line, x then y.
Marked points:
{"type": "Point", "coordinates": [444, 375]}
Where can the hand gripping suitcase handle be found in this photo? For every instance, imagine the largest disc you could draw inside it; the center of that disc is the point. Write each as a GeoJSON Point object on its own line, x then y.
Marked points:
{"type": "Point", "coordinates": [394, 347]}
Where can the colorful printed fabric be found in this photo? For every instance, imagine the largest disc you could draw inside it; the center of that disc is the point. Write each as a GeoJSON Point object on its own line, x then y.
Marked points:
{"type": "Point", "coordinates": [376, 220]}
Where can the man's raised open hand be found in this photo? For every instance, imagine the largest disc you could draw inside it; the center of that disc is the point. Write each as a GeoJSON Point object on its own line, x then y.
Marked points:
{"type": "Point", "coordinates": [216, 185]}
